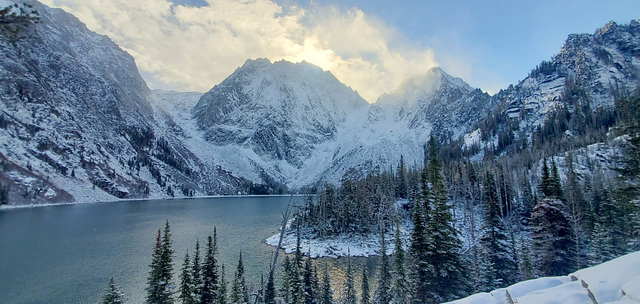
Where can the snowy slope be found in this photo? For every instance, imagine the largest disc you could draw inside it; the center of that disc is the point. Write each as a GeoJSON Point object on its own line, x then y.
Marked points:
{"type": "Point", "coordinates": [437, 98]}
{"type": "Point", "coordinates": [280, 110]}
{"type": "Point", "coordinates": [300, 125]}
{"type": "Point", "coordinates": [76, 122]}
{"type": "Point", "coordinates": [66, 92]}
{"type": "Point", "coordinates": [616, 281]}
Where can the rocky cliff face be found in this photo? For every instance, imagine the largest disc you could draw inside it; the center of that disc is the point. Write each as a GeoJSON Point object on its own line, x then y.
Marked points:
{"type": "Point", "coordinates": [280, 110]}
{"type": "Point", "coordinates": [596, 66]}
{"type": "Point", "coordinates": [77, 121]}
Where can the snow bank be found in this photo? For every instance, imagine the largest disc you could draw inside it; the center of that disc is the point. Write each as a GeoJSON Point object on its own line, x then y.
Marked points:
{"type": "Point", "coordinates": [339, 246]}
{"type": "Point", "coordinates": [353, 245]}
{"type": "Point", "coordinates": [616, 281]}
{"type": "Point", "coordinates": [5, 3]}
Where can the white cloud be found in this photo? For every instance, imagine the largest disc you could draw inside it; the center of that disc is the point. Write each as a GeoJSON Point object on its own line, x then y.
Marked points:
{"type": "Point", "coordinates": [194, 48]}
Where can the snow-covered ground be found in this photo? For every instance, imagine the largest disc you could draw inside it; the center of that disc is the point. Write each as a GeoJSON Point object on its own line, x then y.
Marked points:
{"type": "Point", "coordinates": [5, 3]}
{"type": "Point", "coordinates": [357, 245]}
{"type": "Point", "coordinates": [337, 246]}
{"type": "Point", "coordinates": [616, 281]}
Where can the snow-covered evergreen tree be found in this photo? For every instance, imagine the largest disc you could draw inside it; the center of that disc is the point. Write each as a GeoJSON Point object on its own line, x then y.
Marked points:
{"type": "Point", "coordinates": [159, 281]}
{"type": "Point", "coordinates": [113, 294]}
{"type": "Point", "coordinates": [210, 275]}
{"type": "Point", "coordinates": [309, 282]}
{"type": "Point", "coordinates": [187, 296]}
{"type": "Point", "coordinates": [402, 181]}
{"type": "Point", "coordinates": [552, 239]}
{"type": "Point", "coordinates": [166, 262]}
{"type": "Point", "coordinates": [608, 239]}
{"type": "Point", "coordinates": [399, 288]}
{"type": "Point", "coordinates": [500, 269]}
{"type": "Point", "coordinates": [446, 273]}
{"type": "Point", "coordinates": [196, 274]}
{"type": "Point", "coordinates": [286, 280]}
{"type": "Point", "coordinates": [296, 289]}
{"type": "Point", "coordinates": [526, 266]}
{"type": "Point", "coordinates": [222, 294]}
{"type": "Point", "coordinates": [421, 268]}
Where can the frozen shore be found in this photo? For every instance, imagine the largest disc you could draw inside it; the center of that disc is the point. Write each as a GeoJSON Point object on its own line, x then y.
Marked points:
{"type": "Point", "coordinates": [7, 207]}
{"type": "Point", "coordinates": [357, 245]}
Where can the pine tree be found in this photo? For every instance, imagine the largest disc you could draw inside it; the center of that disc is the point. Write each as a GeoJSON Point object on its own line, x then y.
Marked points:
{"type": "Point", "coordinates": [166, 262]}
{"type": "Point", "coordinates": [309, 282]}
{"type": "Point", "coordinates": [210, 278]}
{"type": "Point", "coordinates": [544, 187]}
{"type": "Point", "coordinates": [528, 200]}
{"type": "Point", "coordinates": [270, 290]}
{"type": "Point", "coordinates": [550, 186]}
{"type": "Point", "coordinates": [349, 286]}
{"type": "Point", "coordinates": [383, 290]}
{"type": "Point", "coordinates": [608, 237]}
{"type": "Point", "coordinates": [500, 268]}
{"type": "Point", "coordinates": [286, 279]}
{"type": "Point", "coordinates": [366, 293]}
{"type": "Point", "coordinates": [556, 185]}
{"type": "Point", "coordinates": [222, 294]}
{"type": "Point", "coordinates": [399, 287]}
{"type": "Point", "coordinates": [327, 293]}
{"type": "Point", "coordinates": [402, 181]}
{"type": "Point", "coordinates": [196, 274]}
{"type": "Point", "coordinates": [578, 211]}
{"type": "Point", "coordinates": [526, 266]}
{"type": "Point", "coordinates": [447, 275]}
{"type": "Point", "coordinates": [315, 284]}
{"type": "Point", "coordinates": [113, 295]}
{"type": "Point", "coordinates": [421, 269]}
{"type": "Point", "coordinates": [154, 290]}
{"type": "Point", "coordinates": [552, 239]}
{"type": "Point", "coordinates": [159, 289]}
{"type": "Point", "coordinates": [296, 289]}
{"type": "Point", "coordinates": [239, 293]}
{"type": "Point", "coordinates": [186, 282]}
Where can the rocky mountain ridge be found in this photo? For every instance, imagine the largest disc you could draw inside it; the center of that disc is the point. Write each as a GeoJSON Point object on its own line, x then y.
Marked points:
{"type": "Point", "coordinates": [79, 123]}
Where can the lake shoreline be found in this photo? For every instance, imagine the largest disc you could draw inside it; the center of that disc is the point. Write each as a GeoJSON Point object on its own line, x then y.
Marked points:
{"type": "Point", "coordinates": [341, 245]}
{"type": "Point", "coordinates": [13, 207]}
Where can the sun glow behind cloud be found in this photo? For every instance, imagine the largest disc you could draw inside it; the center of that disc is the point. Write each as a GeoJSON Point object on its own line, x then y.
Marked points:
{"type": "Point", "coordinates": [194, 48]}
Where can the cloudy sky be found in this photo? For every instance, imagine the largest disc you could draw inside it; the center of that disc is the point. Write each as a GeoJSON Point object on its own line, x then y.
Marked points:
{"type": "Point", "coordinates": [372, 46]}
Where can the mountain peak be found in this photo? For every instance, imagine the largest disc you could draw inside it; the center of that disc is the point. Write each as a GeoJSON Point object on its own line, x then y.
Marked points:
{"type": "Point", "coordinates": [423, 87]}
{"type": "Point", "coordinates": [280, 110]}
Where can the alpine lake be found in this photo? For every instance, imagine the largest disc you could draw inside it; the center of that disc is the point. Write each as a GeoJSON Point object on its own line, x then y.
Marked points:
{"type": "Point", "coordinates": [68, 253]}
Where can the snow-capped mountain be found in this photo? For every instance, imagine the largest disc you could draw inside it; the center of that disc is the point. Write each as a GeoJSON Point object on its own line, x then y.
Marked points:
{"type": "Point", "coordinates": [300, 125]}
{"type": "Point", "coordinates": [600, 65]}
{"type": "Point", "coordinates": [576, 90]}
{"type": "Point", "coordinates": [436, 99]}
{"type": "Point", "coordinates": [78, 121]}
{"type": "Point", "coordinates": [400, 123]}
{"type": "Point", "coordinates": [280, 110]}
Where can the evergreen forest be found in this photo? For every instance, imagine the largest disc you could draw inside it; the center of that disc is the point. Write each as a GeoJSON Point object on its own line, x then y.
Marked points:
{"type": "Point", "coordinates": [474, 225]}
